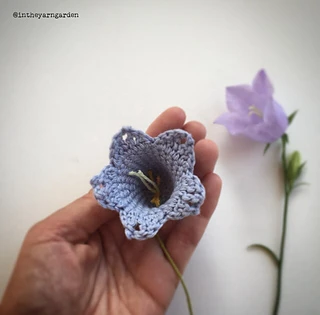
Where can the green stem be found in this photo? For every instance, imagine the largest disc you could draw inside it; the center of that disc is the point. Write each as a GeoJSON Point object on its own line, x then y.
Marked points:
{"type": "Point", "coordinates": [284, 228]}
{"type": "Point", "coordinates": [178, 273]}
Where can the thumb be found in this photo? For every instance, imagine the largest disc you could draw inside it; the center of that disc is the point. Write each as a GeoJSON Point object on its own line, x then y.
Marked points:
{"type": "Point", "coordinates": [78, 220]}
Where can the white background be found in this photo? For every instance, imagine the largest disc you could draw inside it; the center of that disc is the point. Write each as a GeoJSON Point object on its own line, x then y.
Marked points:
{"type": "Point", "coordinates": [66, 86]}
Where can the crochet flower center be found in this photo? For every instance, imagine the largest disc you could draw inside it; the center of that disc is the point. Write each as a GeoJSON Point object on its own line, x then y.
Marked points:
{"type": "Point", "coordinates": [151, 184]}
{"type": "Point", "coordinates": [152, 180]}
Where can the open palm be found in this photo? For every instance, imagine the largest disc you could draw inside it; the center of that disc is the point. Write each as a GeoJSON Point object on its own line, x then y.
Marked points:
{"type": "Point", "coordinates": [78, 260]}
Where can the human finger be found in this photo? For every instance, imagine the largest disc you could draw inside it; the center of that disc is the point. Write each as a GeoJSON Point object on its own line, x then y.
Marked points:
{"type": "Point", "coordinates": [183, 239]}
{"type": "Point", "coordinates": [172, 118]}
{"type": "Point", "coordinates": [77, 221]}
{"type": "Point", "coordinates": [196, 129]}
{"type": "Point", "coordinates": [206, 153]}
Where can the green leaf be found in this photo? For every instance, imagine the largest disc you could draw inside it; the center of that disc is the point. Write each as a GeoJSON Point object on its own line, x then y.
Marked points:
{"type": "Point", "coordinates": [291, 117]}
{"type": "Point", "coordinates": [300, 184]}
{"type": "Point", "coordinates": [300, 168]}
{"type": "Point", "coordinates": [298, 174]}
{"type": "Point", "coordinates": [266, 250]}
{"type": "Point", "coordinates": [285, 138]}
{"type": "Point", "coordinates": [266, 148]}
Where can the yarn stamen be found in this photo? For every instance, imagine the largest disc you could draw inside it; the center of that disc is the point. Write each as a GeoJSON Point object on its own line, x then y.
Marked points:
{"type": "Point", "coordinates": [151, 184]}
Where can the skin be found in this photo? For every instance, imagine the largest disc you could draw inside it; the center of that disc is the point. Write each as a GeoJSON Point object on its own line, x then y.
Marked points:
{"type": "Point", "coordinates": [78, 260]}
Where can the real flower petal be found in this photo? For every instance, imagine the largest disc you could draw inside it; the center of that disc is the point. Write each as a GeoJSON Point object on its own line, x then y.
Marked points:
{"type": "Point", "coordinates": [239, 98]}
{"type": "Point", "coordinates": [235, 123]}
{"type": "Point", "coordinates": [253, 112]}
{"type": "Point", "coordinates": [276, 120]}
{"type": "Point", "coordinates": [262, 85]}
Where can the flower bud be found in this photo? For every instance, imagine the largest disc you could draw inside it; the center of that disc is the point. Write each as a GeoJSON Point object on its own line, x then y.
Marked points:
{"type": "Point", "coordinates": [294, 167]}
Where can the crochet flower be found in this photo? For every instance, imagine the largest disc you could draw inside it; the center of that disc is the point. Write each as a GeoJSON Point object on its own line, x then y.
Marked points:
{"type": "Point", "coordinates": [253, 111]}
{"type": "Point", "coordinates": [149, 180]}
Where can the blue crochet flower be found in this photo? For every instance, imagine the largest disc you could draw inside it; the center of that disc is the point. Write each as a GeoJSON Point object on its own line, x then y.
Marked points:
{"type": "Point", "coordinates": [149, 180]}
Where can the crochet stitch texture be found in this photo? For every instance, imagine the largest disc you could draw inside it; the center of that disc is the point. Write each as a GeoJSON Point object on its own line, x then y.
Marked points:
{"type": "Point", "coordinates": [168, 157]}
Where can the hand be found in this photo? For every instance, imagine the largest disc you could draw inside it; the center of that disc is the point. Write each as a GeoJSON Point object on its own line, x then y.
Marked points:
{"type": "Point", "coordinates": [78, 260]}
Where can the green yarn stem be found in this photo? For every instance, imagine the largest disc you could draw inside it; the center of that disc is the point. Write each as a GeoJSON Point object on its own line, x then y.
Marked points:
{"type": "Point", "coordinates": [146, 181]}
{"type": "Point", "coordinates": [178, 273]}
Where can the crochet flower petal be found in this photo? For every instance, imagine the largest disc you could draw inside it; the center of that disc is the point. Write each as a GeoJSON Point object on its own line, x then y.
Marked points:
{"type": "Point", "coordinates": [186, 199]}
{"type": "Point", "coordinates": [127, 143]}
{"type": "Point", "coordinates": [142, 223]}
{"type": "Point", "coordinates": [149, 180]}
{"type": "Point", "coordinates": [110, 187]}
{"type": "Point", "coordinates": [176, 148]}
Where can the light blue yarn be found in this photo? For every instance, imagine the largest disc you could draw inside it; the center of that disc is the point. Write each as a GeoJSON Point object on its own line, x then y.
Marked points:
{"type": "Point", "coordinates": [171, 156]}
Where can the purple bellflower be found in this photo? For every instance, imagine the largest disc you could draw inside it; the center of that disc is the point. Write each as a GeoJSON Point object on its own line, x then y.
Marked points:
{"type": "Point", "coordinates": [253, 112]}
